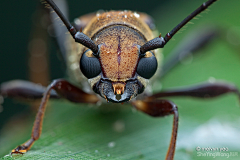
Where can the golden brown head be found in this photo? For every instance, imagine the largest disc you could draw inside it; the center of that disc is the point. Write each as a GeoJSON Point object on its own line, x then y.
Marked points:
{"type": "Point", "coordinates": [119, 72]}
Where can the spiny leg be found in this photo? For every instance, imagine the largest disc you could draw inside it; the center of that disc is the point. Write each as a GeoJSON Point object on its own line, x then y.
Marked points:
{"type": "Point", "coordinates": [160, 108]}
{"type": "Point", "coordinates": [65, 90]}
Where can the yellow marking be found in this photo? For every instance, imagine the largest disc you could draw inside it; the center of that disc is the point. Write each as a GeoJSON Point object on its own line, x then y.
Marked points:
{"type": "Point", "coordinates": [23, 151]}
{"type": "Point", "coordinates": [148, 54]}
{"type": "Point", "coordinates": [89, 54]}
{"type": "Point", "coordinates": [19, 151]}
{"type": "Point", "coordinates": [119, 91]}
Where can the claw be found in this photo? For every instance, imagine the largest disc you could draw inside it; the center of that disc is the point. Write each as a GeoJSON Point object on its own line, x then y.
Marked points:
{"type": "Point", "coordinates": [19, 150]}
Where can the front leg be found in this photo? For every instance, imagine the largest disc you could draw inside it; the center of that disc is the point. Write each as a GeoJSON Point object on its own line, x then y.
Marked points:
{"type": "Point", "coordinates": [65, 90]}
{"type": "Point", "coordinates": [156, 107]}
{"type": "Point", "coordinates": [161, 108]}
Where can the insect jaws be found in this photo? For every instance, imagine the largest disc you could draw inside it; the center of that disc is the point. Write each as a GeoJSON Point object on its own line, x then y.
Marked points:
{"type": "Point", "coordinates": [118, 91]}
{"type": "Point", "coordinates": [118, 88]}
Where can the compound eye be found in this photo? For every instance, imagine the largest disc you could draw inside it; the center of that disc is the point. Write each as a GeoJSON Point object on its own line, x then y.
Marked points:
{"type": "Point", "coordinates": [90, 65]}
{"type": "Point", "coordinates": [147, 65]}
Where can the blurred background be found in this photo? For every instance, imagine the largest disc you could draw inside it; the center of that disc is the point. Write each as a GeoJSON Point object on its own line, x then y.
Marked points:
{"type": "Point", "coordinates": [220, 60]}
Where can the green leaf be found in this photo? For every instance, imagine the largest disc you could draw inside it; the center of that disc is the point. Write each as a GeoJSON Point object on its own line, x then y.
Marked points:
{"type": "Point", "coordinates": [80, 132]}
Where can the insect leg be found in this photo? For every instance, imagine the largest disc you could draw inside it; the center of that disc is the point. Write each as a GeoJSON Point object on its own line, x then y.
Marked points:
{"type": "Point", "coordinates": [65, 90]}
{"type": "Point", "coordinates": [160, 108]}
{"type": "Point", "coordinates": [207, 90]}
{"type": "Point", "coordinates": [25, 90]}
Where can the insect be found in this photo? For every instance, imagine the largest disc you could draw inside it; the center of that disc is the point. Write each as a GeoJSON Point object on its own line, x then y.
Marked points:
{"type": "Point", "coordinates": [120, 90]}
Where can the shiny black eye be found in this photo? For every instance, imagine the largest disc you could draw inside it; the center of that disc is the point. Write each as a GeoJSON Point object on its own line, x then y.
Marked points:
{"type": "Point", "coordinates": [147, 65]}
{"type": "Point", "coordinates": [90, 65]}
